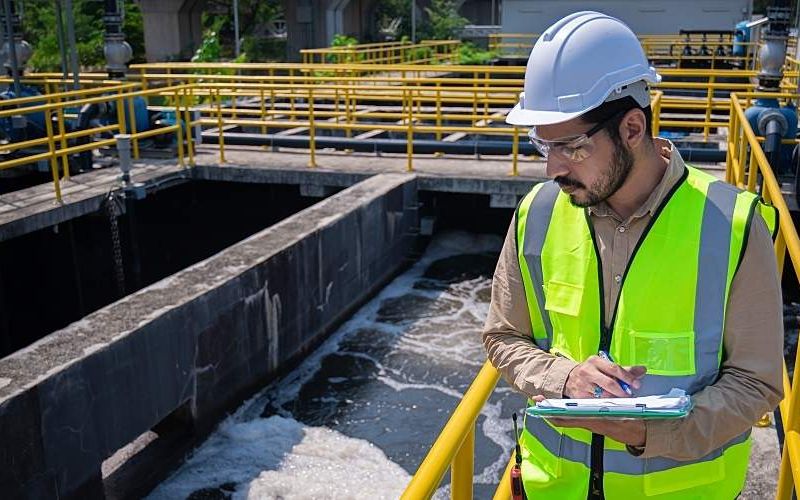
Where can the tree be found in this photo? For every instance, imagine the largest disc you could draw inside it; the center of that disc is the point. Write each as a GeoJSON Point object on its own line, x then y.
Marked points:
{"type": "Point", "coordinates": [256, 18]}
{"type": "Point", "coordinates": [444, 22]}
{"type": "Point", "coordinates": [39, 29]}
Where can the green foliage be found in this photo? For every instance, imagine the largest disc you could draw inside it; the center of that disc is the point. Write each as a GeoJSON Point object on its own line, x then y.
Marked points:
{"type": "Point", "coordinates": [210, 48]}
{"type": "Point", "coordinates": [261, 49]}
{"type": "Point", "coordinates": [469, 53]}
{"type": "Point", "coordinates": [255, 19]}
{"type": "Point", "coordinates": [340, 40]}
{"type": "Point", "coordinates": [39, 29]}
{"type": "Point", "coordinates": [444, 22]}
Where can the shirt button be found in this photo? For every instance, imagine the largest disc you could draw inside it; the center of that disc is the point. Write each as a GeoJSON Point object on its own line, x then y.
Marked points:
{"type": "Point", "coordinates": [621, 229]}
{"type": "Point", "coordinates": [617, 278]}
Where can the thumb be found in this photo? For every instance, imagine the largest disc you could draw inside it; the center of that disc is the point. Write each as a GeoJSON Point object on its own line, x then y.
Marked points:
{"type": "Point", "coordinates": [539, 398]}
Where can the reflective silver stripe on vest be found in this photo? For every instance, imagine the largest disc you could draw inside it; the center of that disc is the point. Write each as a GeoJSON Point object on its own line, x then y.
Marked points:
{"type": "Point", "coordinates": [619, 461]}
{"type": "Point", "coordinates": [712, 278]}
{"type": "Point", "coordinates": [539, 215]}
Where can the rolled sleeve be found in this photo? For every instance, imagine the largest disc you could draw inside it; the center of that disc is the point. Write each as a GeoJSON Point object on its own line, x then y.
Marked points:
{"type": "Point", "coordinates": [507, 334]}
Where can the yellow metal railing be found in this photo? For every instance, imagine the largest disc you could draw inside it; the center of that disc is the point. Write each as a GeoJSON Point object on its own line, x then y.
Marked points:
{"type": "Point", "coordinates": [697, 99]}
{"type": "Point", "coordinates": [446, 102]}
{"type": "Point", "coordinates": [454, 448]}
{"type": "Point", "coordinates": [424, 52]}
{"type": "Point", "coordinates": [746, 164]}
{"type": "Point", "coordinates": [662, 50]}
{"type": "Point", "coordinates": [55, 145]}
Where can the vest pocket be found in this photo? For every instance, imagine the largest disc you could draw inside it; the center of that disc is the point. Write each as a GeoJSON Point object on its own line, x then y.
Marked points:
{"type": "Point", "coordinates": [663, 353]}
{"type": "Point", "coordinates": [562, 297]}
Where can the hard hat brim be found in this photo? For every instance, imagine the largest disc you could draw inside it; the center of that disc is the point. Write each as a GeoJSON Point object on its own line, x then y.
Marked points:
{"type": "Point", "coordinates": [530, 118]}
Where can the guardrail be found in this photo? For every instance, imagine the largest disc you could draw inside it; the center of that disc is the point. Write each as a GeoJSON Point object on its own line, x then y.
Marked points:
{"type": "Point", "coordinates": [748, 168]}
{"type": "Point", "coordinates": [56, 142]}
{"type": "Point", "coordinates": [424, 52]}
{"type": "Point", "coordinates": [443, 102]}
{"type": "Point", "coordinates": [662, 50]}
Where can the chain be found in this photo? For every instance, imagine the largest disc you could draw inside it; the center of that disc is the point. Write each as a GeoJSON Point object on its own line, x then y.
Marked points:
{"type": "Point", "coordinates": [113, 220]}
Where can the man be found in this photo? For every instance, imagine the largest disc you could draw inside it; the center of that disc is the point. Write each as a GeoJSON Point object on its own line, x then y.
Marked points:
{"type": "Point", "coordinates": [631, 252]}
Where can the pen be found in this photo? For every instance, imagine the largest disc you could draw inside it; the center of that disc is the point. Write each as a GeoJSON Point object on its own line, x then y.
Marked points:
{"type": "Point", "coordinates": [625, 386]}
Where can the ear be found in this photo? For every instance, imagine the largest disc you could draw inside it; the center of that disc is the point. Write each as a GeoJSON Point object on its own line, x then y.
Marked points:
{"type": "Point", "coordinates": [632, 128]}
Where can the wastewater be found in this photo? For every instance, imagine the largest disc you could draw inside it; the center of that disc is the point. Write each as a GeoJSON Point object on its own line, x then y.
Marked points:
{"type": "Point", "coordinates": [355, 419]}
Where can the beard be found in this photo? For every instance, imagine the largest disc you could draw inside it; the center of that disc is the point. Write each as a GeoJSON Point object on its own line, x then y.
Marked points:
{"type": "Point", "coordinates": [607, 184]}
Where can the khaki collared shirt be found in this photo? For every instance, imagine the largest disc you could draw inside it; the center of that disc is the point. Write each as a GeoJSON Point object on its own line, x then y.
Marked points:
{"type": "Point", "coordinates": [750, 382]}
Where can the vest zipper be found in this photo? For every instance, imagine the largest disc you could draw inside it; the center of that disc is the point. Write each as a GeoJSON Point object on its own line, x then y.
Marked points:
{"type": "Point", "coordinates": [598, 440]}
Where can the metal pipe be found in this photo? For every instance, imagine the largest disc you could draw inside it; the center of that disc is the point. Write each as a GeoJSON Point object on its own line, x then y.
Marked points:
{"type": "Point", "coordinates": [8, 11]}
{"type": "Point", "coordinates": [72, 45]}
{"type": "Point", "coordinates": [413, 21]}
{"type": "Point", "coordinates": [116, 49]}
{"type": "Point", "coordinates": [236, 26]}
{"type": "Point", "coordinates": [420, 146]}
{"type": "Point", "coordinates": [62, 49]}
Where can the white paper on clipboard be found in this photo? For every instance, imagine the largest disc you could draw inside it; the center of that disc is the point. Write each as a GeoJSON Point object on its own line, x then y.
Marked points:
{"type": "Point", "coordinates": [674, 400]}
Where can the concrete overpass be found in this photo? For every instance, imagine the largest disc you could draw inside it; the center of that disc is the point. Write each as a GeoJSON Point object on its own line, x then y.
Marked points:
{"type": "Point", "coordinates": [172, 28]}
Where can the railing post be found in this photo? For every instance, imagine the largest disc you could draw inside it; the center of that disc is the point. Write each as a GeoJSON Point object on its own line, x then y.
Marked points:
{"type": "Point", "coordinates": [657, 115]}
{"type": "Point", "coordinates": [463, 469]}
{"type": "Point", "coordinates": [188, 95]}
{"type": "Point", "coordinates": [514, 152]}
{"type": "Point", "coordinates": [709, 100]}
{"type": "Point", "coordinates": [132, 117]}
{"type": "Point", "coordinates": [219, 129]}
{"type": "Point", "coordinates": [732, 124]}
{"type": "Point", "coordinates": [62, 130]}
{"type": "Point", "coordinates": [410, 132]}
{"type": "Point", "coordinates": [311, 131]}
{"type": "Point", "coordinates": [51, 146]}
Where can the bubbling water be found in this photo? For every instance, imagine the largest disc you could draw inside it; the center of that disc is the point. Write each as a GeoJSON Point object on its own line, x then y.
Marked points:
{"type": "Point", "coordinates": [358, 415]}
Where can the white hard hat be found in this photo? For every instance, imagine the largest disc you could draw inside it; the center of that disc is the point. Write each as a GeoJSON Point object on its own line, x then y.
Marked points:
{"type": "Point", "coordinates": [578, 63]}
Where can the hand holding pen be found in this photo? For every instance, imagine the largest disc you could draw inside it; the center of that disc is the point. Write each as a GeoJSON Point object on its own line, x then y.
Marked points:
{"type": "Point", "coordinates": [625, 387]}
{"type": "Point", "coordinates": [598, 376]}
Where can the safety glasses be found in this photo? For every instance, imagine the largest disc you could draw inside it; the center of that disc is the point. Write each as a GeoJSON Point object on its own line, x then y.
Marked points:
{"type": "Point", "coordinates": [575, 148]}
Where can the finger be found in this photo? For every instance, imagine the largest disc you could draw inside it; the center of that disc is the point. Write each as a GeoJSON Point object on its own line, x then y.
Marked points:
{"type": "Point", "coordinates": [637, 371]}
{"type": "Point", "coordinates": [620, 373]}
{"type": "Point", "coordinates": [609, 384]}
{"type": "Point", "coordinates": [538, 398]}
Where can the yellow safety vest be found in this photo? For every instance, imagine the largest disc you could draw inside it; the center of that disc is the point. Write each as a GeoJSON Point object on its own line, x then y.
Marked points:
{"type": "Point", "coordinates": [669, 317]}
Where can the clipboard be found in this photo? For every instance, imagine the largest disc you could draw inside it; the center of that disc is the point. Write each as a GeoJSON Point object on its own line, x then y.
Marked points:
{"type": "Point", "coordinates": [674, 404]}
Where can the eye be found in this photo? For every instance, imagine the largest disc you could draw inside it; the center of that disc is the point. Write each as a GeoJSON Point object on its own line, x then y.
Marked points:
{"type": "Point", "coordinates": [575, 153]}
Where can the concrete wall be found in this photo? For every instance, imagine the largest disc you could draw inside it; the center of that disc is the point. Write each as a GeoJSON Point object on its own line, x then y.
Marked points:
{"type": "Point", "coordinates": [172, 28]}
{"type": "Point", "coordinates": [209, 335]}
{"type": "Point", "coordinates": [645, 17]}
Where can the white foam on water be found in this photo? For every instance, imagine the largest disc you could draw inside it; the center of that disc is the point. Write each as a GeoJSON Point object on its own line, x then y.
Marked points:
{"type": "Point", "coordinates": [277, 457]}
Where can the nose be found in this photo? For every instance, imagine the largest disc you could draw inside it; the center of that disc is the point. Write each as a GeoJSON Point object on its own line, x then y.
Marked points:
{"type": "Point", "coordinates": [556, 167]}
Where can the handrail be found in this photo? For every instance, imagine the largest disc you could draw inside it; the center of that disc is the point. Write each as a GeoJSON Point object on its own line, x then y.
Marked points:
{"type": "Point", "coordinates": [455, 440]}
{"type": "Point", "coordinates": [744, 168]}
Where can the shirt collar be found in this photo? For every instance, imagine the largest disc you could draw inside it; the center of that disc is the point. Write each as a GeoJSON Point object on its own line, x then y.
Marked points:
{"type": "Point", "coordinates": [672, 175]}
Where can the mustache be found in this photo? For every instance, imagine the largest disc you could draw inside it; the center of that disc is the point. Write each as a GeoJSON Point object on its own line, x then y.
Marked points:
{"type": "Point", "coordinates": [567, 182]}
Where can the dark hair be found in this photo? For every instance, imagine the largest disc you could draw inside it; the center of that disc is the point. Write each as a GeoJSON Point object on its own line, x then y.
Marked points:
{"type": "Point", "coordinates": [618, 107]}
